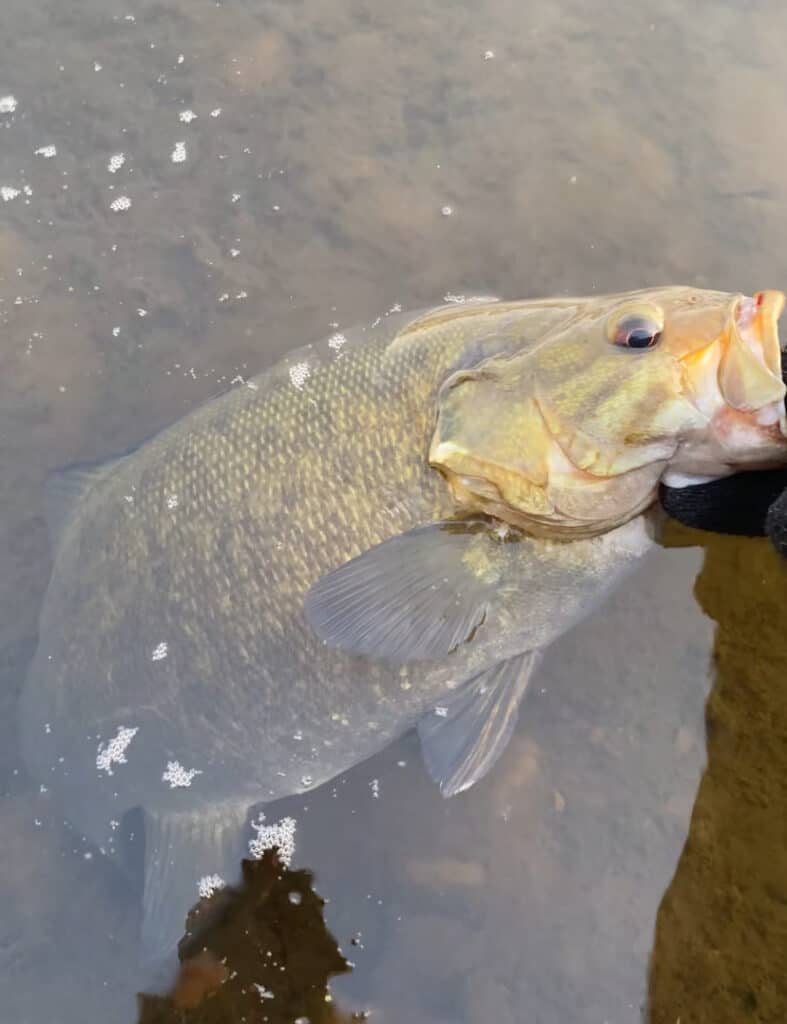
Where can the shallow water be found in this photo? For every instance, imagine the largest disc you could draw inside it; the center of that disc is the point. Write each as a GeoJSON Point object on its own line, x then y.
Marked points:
{"type": "Point", "coordinates": [625, 861]}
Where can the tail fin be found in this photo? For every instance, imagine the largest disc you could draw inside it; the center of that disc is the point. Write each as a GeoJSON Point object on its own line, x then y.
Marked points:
{"type": "Point", "coordinates": [181, 850]}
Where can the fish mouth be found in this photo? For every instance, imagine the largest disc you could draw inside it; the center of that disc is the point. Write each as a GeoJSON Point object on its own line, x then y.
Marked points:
{"type": "Point", "coordinates": [750, 371]}
{"type": "Point", "coordinates": [736, 386]}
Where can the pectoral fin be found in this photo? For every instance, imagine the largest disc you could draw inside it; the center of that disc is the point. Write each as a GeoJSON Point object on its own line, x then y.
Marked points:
{"type": "Point", "coordinates": [418, 595]}
{"type": "Point", "coordinates": [463, 737]}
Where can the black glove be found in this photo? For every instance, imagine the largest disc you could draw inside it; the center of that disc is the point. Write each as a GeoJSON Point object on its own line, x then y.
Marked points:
{"type": "Point", "coordinates": [747, 504]}
{"type": "Point", "coordinates": [776, 522]}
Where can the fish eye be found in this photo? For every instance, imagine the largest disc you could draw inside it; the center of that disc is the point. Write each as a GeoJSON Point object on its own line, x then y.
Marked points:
{"type": "Point", "coordinates": [638, 330]}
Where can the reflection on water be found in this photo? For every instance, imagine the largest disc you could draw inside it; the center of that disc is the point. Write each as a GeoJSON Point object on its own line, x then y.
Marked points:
{"type": "Point", "coordinates": [722, 927]}
{"type": "Point", "coordinates": [257, 953]}
{"type": "Point", "coordinates": [574, 146]}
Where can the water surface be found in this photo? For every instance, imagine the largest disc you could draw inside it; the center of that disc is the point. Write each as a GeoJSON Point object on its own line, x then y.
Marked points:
{"type": "Point", "coordinates": [191, 189]}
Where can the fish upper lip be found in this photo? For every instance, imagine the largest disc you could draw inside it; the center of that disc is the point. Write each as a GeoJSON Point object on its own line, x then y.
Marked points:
{"type": "Point", "coordinates": [756, 324]}
{"type": "Point", "coordinates": [749, 374]}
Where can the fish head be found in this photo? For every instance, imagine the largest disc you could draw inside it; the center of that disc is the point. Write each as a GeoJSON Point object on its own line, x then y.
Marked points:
{"type": "Point", "coordinates": [571, 434]}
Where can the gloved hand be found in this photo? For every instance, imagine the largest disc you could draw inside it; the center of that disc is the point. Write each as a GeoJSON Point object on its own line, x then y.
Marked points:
{"type": "Point", "coordinates": [776, 521]}
{"type": "Point", "coordinates": [748, 504]}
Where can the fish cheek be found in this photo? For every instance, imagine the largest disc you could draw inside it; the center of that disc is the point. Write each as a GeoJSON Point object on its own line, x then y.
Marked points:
{"type": "Point", "coordinates": [491, 442]}
{"type": "Point", "coordinates": [623, 412]}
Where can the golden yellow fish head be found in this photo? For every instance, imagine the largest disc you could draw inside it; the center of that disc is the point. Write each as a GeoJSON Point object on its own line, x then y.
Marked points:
{"type": "Point", "coordinates": [571, 432]}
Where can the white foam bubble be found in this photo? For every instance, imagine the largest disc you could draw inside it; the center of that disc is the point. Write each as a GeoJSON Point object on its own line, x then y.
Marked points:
{"type": "Point", "coordinates": [114, 752]}
{"type": "Point", "coordinates": [281, 835]}
{"type": "Point", "coordinates": [179, 777]}
{"type": "Point", "coordinates": [116, 161]}
{"type": "Point", "coordinates": [299, 374]}
{"type": "Point", "coordinates": [209, 884]}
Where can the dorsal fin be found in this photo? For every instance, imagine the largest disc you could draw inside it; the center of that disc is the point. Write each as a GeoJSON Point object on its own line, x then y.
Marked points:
{"type": "Point", "coordinates": [449, 311]}
{"type": "Point", "coordinates": [64, 490]}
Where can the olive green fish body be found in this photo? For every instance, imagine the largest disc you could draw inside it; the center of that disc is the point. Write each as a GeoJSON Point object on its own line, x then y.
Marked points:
{"type": "Point", "coordinates": [175, 606]}
{"type": "Point", "coordinates": [384, 530]}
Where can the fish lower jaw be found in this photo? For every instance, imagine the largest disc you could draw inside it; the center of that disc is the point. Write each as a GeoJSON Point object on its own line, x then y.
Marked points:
{"type": "Point", "coordinates": [772, 414]}
{"type": "Point", "coordinates": [675, 478]}
{"type": "Point", "coordinates": [737, 440]}
{"type": "Point", "coordinates": [720, 457]}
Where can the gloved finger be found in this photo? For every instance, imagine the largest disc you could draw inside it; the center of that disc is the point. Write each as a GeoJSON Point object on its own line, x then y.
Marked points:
{"type": "Point", "coordinates": [735, 504]}
{"type": "Point", "coordinates": [776, 523]}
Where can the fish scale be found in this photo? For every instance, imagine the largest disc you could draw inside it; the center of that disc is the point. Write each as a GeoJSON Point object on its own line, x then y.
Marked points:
{"type": "Point", "coordinates": [225, 465]}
